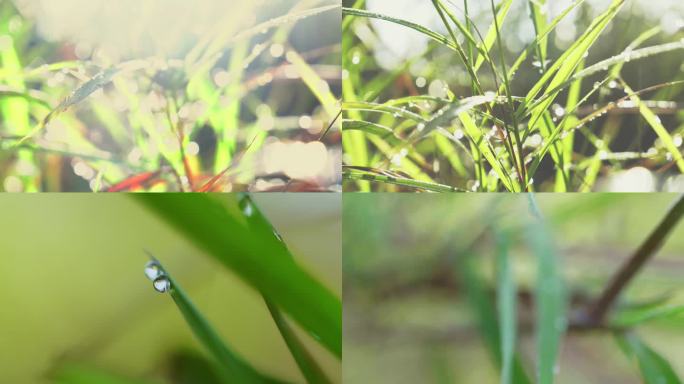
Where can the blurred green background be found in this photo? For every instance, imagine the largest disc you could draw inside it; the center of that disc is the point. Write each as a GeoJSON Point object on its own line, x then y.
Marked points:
{"type": "Point", "coordinates": [406, 318]}
{"type": "Point", "coordinates": [73, 291]}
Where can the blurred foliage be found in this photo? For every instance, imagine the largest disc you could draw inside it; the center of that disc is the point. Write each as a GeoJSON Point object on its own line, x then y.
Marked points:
{"type": "Point", "coordinates": [425, 300]}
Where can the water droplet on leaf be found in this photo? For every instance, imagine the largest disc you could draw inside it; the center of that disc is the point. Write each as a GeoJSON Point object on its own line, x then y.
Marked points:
{"type": "Point", "coordinates": [162, 284]}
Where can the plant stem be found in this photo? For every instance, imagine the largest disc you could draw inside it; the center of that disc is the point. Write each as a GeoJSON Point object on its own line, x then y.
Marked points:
{"type": "Point", "coordinates": [600, 307]}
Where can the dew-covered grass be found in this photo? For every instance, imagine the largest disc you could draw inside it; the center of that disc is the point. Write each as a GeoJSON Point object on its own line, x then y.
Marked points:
{"type": "Point", "coordinates": [209, 97]}
{"type": "Point", "coordinates": [513, 96]}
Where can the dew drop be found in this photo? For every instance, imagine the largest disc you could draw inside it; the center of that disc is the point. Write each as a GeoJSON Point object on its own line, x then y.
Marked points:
{"type": "Point", "coordinates": [153, 270]}
{"type": "Point", "coordinates": [162, 284]}
{"type": "Point", "coordinates": [277, 235]}
{"type": "Point", "coordinates": [246, 207]}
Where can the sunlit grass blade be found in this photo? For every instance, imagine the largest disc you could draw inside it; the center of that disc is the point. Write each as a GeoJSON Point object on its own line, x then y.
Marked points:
{"type": "Point", "coordinates": [80, 94]}
{"type": "Point", "coordinates": [313, 81]}
{"type": "Point", "coordinates": [357, 173]}
{"type": "Point", "coordinates": [490, 38]}
{"type": "Point", "coordinates": [656, 124]}
{"type": "Point", "coordinates": [215, 225]}
{"type": "Point", "coordinates": [369, 128]}
{"type": "Point", "coordinates": [653, 367]}
{"type": "Point", "coordinates": [506, 305]}
{"type": "Point", "coordinates": [233, 366]}
{"type": "Point", "coordinates": [550, 298]}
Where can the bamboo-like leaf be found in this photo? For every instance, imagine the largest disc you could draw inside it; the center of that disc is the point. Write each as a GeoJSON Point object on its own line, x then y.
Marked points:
{"type": "Point", "coordinates": [506, 305]}
{"type": "Point", "coordinates": [550, 298]}
{"type": "Point", "coordinates": [653, 367]}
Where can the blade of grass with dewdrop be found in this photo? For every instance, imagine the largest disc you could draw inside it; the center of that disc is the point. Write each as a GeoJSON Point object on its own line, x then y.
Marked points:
{"type": "Point", "coordinates": [482, 48]}
{"type": "Point", "coordinates": [550, 298]}
{"type": "Point", "coordinates": [207, 52]}
{"type": "Point", "coordinates": [214, 225]}
{"type": "Point", "coordinates": [234, 367]}
{"type": "Point", "coordinates": [306, 363]}
{"type": "Point", "coordinates": [446, 148]}
{"type": "Point", "coordinates": [506, 306]}
{"type": "Point", "coordinates": [657, 126]}
{"type": "Point", "coordinates": [350, 173]}
{"type": "Point", "coordinates": [563, 69]}
{"type": "Point", "coordinates": [550, 27]}
{"type": "Point", "coordinates": [476, 135]}
{"type": "Point", "coordinates": [416, 27]}
{"type": "Point", "coordinates": [567, 143]}
{"type": "Point", "coordinates": [654, 369]}
{"type": "Point", "coordinates": [80, 94]}
{"type": "Point", "coordinates": [485, 313]}
{"type": "Point", "coordinates": [407, 165]}
{"type": "Point", "coordinates": [627, 56]}
{"type": "Point", "coordinates": [316, 85]}
{"type": "Point", "coordinates": [369, 128]}
{"type": "Point", "coordinates": [490, 37]}
{"type": "Point", "coordinates": [353, 142]}
{"type": "Point", "coordinates": [539, 22]}
{"type": "Point", "coordinates": [382, 108]}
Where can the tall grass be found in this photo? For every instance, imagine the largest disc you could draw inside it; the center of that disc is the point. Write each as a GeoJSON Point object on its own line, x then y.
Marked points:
{"type": "Point", "coordinates": [199, 122]}
{"type": "Point", "coordinates": [513, 121]}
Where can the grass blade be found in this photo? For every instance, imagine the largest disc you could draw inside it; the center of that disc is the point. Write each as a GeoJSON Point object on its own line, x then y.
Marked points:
{"type": "Point", "coordinates": [485, 312]}
{"type": "Point", "coordinates": [549, 295]}
{"type": "Point", "coordinates": [631, 318]}
{"type": "Point", "coordinates": [506, 305]}
{"type": "Point", "coordinates": [654, 121]}
{"type": "Point", "coordinates": [215, 225]}
{"type": "Point", "coordinates": [653, 367]}
{"type": "Point", "coordinates": [306, 363]}
{"type": "Point", "coordinates": [234, 367]}
{"type": "Point", "coordinates": [363, 173]}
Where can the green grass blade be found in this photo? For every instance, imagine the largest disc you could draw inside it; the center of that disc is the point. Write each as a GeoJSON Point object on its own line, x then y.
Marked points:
{"type": "Point", "coordinates": [316, 85]}
{"type": "Point", "coordinates": [485, 313]}
{"type": "Point", "coordinates": [416, 27]}
{"type": "Point", "coordinates": [654, 121]}
{"type": "Point", "coordinates": [630, 318]}
{"type": "Point", "coordinates": [369, 128]}
{"type": "Point", "coordinates": [215, 225]}
{"type": "Point", "coordinates": [549, 296]}
{"type": "Point", "coordinates": [306, 363]}
{"type": "Point", "coordinates": [506, 305]}
{"type": "Point", "coordinates": [653, 367]}
{"type": "Point", "coordinates": [490, 38]}
{"type": "Point", "coordinates": [234, 366]}
{"type": "Point", "coordinates": [356, 174]}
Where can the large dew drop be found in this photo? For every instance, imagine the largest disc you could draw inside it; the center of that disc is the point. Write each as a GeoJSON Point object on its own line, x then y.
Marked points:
{"type": "Point", "coordinates": [162, 284]}
{"type": "Point", "coordinates": [153, 270]}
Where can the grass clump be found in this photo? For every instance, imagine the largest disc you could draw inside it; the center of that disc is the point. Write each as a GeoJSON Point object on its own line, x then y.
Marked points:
{"type": "Point", "coordinates": [474, 109]}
